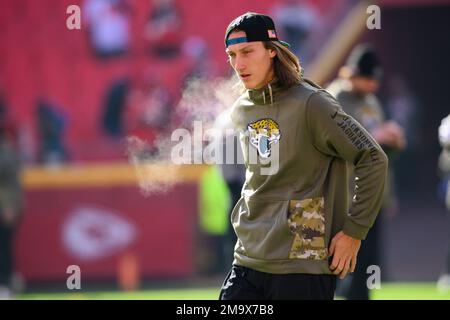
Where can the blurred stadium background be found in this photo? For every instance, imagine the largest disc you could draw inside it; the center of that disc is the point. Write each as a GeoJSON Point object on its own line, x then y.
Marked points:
{"type": "Point", "coordinates": [73, 97]}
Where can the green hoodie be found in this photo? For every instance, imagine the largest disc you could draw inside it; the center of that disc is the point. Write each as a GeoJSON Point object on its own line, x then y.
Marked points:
{"type": "Point", "coordinates": [285, 219]}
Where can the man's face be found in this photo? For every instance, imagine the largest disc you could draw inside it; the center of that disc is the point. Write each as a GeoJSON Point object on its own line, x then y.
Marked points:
{"type": "Point", "coordinates": [364, 85]}
{"type": "Point", "coordinates": [251, 61]}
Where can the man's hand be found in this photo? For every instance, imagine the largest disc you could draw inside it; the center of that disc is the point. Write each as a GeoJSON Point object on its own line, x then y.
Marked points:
{"type": "Point", "coordinates": [391, 135]}
{"type": "Point", "coordinates": [344, 250]}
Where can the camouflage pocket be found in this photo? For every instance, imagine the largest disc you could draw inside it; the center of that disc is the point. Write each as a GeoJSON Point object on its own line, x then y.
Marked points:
{"type": "Point", "coordinates": [307, 223]}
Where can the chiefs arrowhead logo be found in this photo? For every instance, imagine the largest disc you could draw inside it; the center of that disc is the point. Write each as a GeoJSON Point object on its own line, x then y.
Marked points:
{"type": "Point", "coordinates": [91, 233]}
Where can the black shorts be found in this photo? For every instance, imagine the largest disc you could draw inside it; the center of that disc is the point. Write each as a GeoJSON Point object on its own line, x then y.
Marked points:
{"type": "Point", "coordinates": [243, 283]}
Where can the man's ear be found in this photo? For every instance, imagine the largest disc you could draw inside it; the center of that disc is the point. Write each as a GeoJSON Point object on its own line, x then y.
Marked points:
{"type": "Point", "coordinates": [272, 53]}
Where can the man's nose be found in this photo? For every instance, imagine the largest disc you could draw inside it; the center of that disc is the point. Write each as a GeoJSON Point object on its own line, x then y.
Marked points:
{"type": "Point", "coordinates": [239, 65]}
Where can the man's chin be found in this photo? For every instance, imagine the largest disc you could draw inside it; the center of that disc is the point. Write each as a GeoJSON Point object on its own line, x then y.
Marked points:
{"type": "Point", "coordinates": [248, 86]}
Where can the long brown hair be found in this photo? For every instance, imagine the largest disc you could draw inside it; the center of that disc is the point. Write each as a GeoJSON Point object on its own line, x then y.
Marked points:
{"type": "Point", "coordinates": [286, 65]}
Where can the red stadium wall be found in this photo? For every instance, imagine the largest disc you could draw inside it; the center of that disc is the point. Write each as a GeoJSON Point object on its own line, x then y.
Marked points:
{"type": "Point", "coordinates": [95, 228]}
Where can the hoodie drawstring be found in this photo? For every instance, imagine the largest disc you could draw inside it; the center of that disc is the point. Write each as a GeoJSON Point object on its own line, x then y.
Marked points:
{"type": "Point", "coordinates": [263, 93]}
{"type": "Point", "coordinates": [271, 95]}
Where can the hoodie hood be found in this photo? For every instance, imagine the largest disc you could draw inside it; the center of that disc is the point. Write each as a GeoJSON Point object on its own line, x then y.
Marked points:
{"type": "Point", "coordinates": [267, 94]}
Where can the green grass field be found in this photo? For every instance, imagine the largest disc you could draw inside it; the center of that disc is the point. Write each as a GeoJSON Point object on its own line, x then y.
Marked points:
{"type": "Point", "coordinates": [388, 291]}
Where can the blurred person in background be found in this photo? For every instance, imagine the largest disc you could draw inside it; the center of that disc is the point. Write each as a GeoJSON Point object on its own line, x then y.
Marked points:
{"type": "Point", "coordinates": [355, 90]}
{"type": "Point", "coordinates": [163, 30]}
{"type": "Point", "coordinates": [201, 66]}
{"type": "Point", "coordinates": [402, 106]}
{"type": "Point", "coordinates": [149, 110]}
{"type": "Point", "coordinates": [51, 124]}
{"type": "Point", "coordinates": [296, 230]}
{"type": "Point", "coordinates": [138, 105]}
{"type": "Point", "coordinates": [108, 25]}
{"type": "Point", "coordinates": [10, 201]}
{"type": "Point", "coordinates": [213, 209]}
{"type": "Point", "coordinates": [114, 107]}
{"type": "Point", "coordinates": [297, 18]}
{"type": "Point", "coordinates": [443, 283]}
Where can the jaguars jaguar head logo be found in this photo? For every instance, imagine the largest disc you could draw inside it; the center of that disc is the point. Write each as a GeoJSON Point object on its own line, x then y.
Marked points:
{"type": "Point", "coordinates": [262, 134]}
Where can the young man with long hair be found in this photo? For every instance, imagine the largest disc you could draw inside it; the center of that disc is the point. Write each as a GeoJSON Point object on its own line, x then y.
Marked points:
{"type": "Point", "coordinates": [296, 231]}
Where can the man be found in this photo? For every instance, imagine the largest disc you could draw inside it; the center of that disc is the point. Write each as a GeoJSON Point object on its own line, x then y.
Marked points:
{"type": "Point", "coordinates": [295, 229]}
{"type": "Point", "coordinates": [355, 90]}
{"type": "Point", "coordinates": [443, 283]}
{"type": "Point", "coordinates": [10, 201]}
